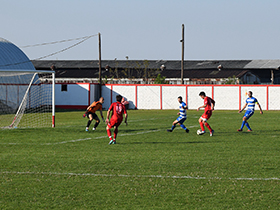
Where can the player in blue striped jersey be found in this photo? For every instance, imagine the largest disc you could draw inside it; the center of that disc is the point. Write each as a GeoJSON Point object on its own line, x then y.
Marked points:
{"type": "Point", "coordinates": [182, 116]}
{"type": "Point", "coordinates": [251, 102]}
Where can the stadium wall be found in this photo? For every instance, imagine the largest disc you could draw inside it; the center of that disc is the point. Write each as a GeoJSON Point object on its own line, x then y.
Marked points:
{"type": "Point", "coordinates": [140, 96]}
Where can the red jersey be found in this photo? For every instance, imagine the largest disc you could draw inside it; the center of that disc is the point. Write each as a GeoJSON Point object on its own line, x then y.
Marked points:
{"type": "Point", "coordinates": [208, 101]}
{"type": "Point", "coordinates": [118, 110]}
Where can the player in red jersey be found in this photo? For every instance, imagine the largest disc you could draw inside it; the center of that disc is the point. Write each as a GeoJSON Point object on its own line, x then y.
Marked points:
{"type": "Point", "coordinates": [209, 104]}
{"type": "Point", "coordinates": [117, 109]}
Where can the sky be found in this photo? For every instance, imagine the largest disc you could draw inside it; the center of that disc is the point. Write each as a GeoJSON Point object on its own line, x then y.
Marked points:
{"type": "Point", "coordinates": [144, 29]}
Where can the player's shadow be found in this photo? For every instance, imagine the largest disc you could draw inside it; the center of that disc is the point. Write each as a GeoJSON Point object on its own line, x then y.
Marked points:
{"type": "Point", "coordinates": [168, 142]}
{"type": "Point", "coordinates": [134, 130]}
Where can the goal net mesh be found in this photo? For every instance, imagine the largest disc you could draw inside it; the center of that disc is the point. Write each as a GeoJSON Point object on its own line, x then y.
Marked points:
{"type": "Point", "coordinates": [25, 99]}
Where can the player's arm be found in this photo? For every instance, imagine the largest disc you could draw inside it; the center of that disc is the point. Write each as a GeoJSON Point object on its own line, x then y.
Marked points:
{"type": "Point", "coordinates": [212, 104]}
{"type": "Point", "coordinates": [242, 108]}
{"type": "Point", "coordinates": [260, 108]}
{"type": "Point", "coordinates": [108, 113]}
{"type": "Point", "coordinates": [86, 112]}
{"type": "Point", "coordinates": [125, 118]}
{"type": "Point", "coordinates": [101, 115]}
{"type": "Point", "coordinates": [201, 107]}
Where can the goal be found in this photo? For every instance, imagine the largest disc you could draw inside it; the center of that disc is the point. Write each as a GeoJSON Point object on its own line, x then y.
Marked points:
{"type": "Point", "coordinates": [27, 98]}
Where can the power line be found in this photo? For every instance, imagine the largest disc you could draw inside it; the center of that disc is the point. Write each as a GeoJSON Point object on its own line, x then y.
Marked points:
{"type": "Point", "coordinates": [56, 42]}
{"type": "Point", "coordinates": [60, 51]}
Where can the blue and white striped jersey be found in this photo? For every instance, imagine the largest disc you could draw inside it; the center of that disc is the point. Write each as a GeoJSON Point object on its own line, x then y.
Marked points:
{"type": "Point", "coordinates": [183, 112]}
{"type": "Point", "coordinates": [251, 103]}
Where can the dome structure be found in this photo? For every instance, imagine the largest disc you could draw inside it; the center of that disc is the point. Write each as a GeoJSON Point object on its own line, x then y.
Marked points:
{"type": "Point", "coordinates": [11, 57]}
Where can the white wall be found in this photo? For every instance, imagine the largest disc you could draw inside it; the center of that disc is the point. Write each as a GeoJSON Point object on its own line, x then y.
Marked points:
{"type": "Point", "coordinates": [148, 97]}
{"type": "Point", "coordinates": [170, 96]}
{"type": "Point", "coordinates": [76, 94]}
{"type": "Point", "coordinates": [227, 97]}
{"type": "Point", "coordinates": [273, 98]}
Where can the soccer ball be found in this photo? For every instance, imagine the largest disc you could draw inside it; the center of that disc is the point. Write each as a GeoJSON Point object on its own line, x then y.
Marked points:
{"type": "Point", "coordinates": [198, 132]}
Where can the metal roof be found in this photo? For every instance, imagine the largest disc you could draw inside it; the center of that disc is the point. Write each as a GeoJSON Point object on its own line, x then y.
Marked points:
{"type": "Point", "coordinates": [156, 64]}
{"type": "Point", "coordinates": [11, 57]}
{"type": "Point", "coordinates": [263, 64]}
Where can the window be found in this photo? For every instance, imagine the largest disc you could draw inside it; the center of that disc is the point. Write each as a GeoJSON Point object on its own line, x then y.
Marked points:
{"type": "Point", "coordinates": [63, 88]}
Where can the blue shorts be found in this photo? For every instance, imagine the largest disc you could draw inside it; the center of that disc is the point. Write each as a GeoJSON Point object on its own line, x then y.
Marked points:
{"type": "Point", "coordinates": [248, 114]}
{"type": "Point", "coordinates": [181, 120]}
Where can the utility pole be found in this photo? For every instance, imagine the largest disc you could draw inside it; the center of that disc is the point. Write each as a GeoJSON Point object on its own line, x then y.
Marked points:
{"type": "Point", "coordinates": [272, 77]}
{"type": "Point", "coordinates": [182, 61]}
{"type": "Point", "coordinates": [100, 80]}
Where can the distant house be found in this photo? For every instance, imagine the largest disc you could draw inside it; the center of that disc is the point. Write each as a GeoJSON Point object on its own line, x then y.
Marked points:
{"type": "Point", "coordinates": [146, 71]}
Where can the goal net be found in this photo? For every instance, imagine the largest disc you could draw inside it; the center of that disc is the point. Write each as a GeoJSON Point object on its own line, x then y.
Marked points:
{"type": "Point", "coordinates": [27, 98]}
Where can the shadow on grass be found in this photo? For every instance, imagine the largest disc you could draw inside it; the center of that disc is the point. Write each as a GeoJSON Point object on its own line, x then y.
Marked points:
{"type": "Point", "coordinates": [168, 142]}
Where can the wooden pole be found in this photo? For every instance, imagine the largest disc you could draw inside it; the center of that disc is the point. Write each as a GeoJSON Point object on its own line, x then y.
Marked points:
{"type": "Point", "coordinates": [182, 61]}
{"type": "Point", "coordinates": [272, 77]}
{"type": "Point", "coordinates": [100, 80]}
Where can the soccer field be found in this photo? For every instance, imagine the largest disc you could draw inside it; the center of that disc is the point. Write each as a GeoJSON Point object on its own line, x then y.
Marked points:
{"type": "Point", "coordinates": [67, 168]}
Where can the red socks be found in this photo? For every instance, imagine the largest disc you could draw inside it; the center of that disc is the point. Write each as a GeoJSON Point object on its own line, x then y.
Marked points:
{"type": "Point", "coordinates": [115, 133]}
{"type": "Point", "coordinates": [109, 134]}
{"type": "Point", "coordinates": [208, 126]}
{"type": "Point", "coordinates": [202, 126]}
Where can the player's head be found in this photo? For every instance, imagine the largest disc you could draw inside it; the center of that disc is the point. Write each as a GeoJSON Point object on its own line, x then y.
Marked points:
{"type": "Point", "coordinates": [119, 98]}
{"type": "Point", "coordinates": [250, 94]}
{"type": "Point", "coordinates": [101, 100]}
{"type": "Point", "coordinates": [180, 99]}
{"type": "Point", "coordinates": [202, 94]}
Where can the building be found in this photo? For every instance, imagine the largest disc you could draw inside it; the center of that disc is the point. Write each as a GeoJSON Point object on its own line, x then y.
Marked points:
{"type": "Point", "coordinates": [146, 71]}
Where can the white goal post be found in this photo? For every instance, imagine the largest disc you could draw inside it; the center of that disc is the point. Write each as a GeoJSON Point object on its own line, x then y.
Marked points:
{"type": "Point", "coordinates": [27, 98]}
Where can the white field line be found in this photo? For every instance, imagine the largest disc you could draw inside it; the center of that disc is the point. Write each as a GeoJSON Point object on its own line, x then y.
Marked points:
{"type": "Point", "coordinates": [99, 137]}
{"type": "Point", "coordinates": [138, 176]}
{"type": "Point", "coordinates": [86, 139]}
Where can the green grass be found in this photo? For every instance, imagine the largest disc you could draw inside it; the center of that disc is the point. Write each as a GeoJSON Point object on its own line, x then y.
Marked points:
{"type": "Point", "coordinates": [149, 168]}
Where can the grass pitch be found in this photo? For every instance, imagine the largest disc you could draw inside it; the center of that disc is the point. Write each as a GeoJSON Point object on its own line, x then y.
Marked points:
{"type": "Point", "coordinates": [149, 168]}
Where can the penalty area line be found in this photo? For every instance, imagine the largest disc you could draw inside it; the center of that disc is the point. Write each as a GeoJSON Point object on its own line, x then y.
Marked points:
{"type": "Point", "coordinates": [137, 176]}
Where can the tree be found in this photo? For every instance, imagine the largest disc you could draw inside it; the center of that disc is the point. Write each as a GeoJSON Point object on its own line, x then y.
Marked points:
{"type": "Point", "coordinates": [160, 79]}
{"type": "Point", "coordinates": [232, 80]}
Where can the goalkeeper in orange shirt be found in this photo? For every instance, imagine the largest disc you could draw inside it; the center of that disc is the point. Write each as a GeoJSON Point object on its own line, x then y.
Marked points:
{"type": "Point", "coordinates": [90, 113]}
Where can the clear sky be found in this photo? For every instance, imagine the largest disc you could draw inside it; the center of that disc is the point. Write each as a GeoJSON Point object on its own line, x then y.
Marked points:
{"type": "Point", "coordinates": [145, 29]}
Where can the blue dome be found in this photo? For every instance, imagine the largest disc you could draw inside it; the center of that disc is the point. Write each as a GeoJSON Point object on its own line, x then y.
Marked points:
{"type": "Point", "coordinates": [11, 57]}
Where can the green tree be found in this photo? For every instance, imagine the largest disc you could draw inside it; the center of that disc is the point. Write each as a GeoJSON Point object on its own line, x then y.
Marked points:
{"type": "Point", "coordinates": [160, 79]}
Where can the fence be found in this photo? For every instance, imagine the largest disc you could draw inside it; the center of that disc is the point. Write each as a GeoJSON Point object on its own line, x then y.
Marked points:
{"type": "Point", "coordinates": [227, 97]}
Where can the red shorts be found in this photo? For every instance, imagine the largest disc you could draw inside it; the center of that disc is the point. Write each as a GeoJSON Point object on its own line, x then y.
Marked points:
{"type": "Point", "coordinates": [206, 115]}
{"type": "Point", "coordinates": [114, 122]}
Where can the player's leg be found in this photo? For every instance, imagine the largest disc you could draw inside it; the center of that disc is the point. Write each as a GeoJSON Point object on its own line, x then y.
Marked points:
{"type": "Point", "coordinates": [182, 125]}
{"type": "Point", "coordinates": [116, 130]}
{"type": "Point", "coordinates": [209, 128]}
{"type": "Point", "coordinates": [246, 123]}
{"type": "Point", "coordinates": [95, 117]}
{"type": "Point", "coordinates": [207, 117]}
{"type": "Point", "coordinates": [89, 115]}
{"type": "Point", "coordinates": [248, 126]}
{"type": "Point", "coordinates": [246, 116]}
{"type": "Point", "coordinates": [200, 120]}
{"type": "Point", "coordinates": [109, 133]}
{"type": "Point", "coordinates": [173, 126]}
